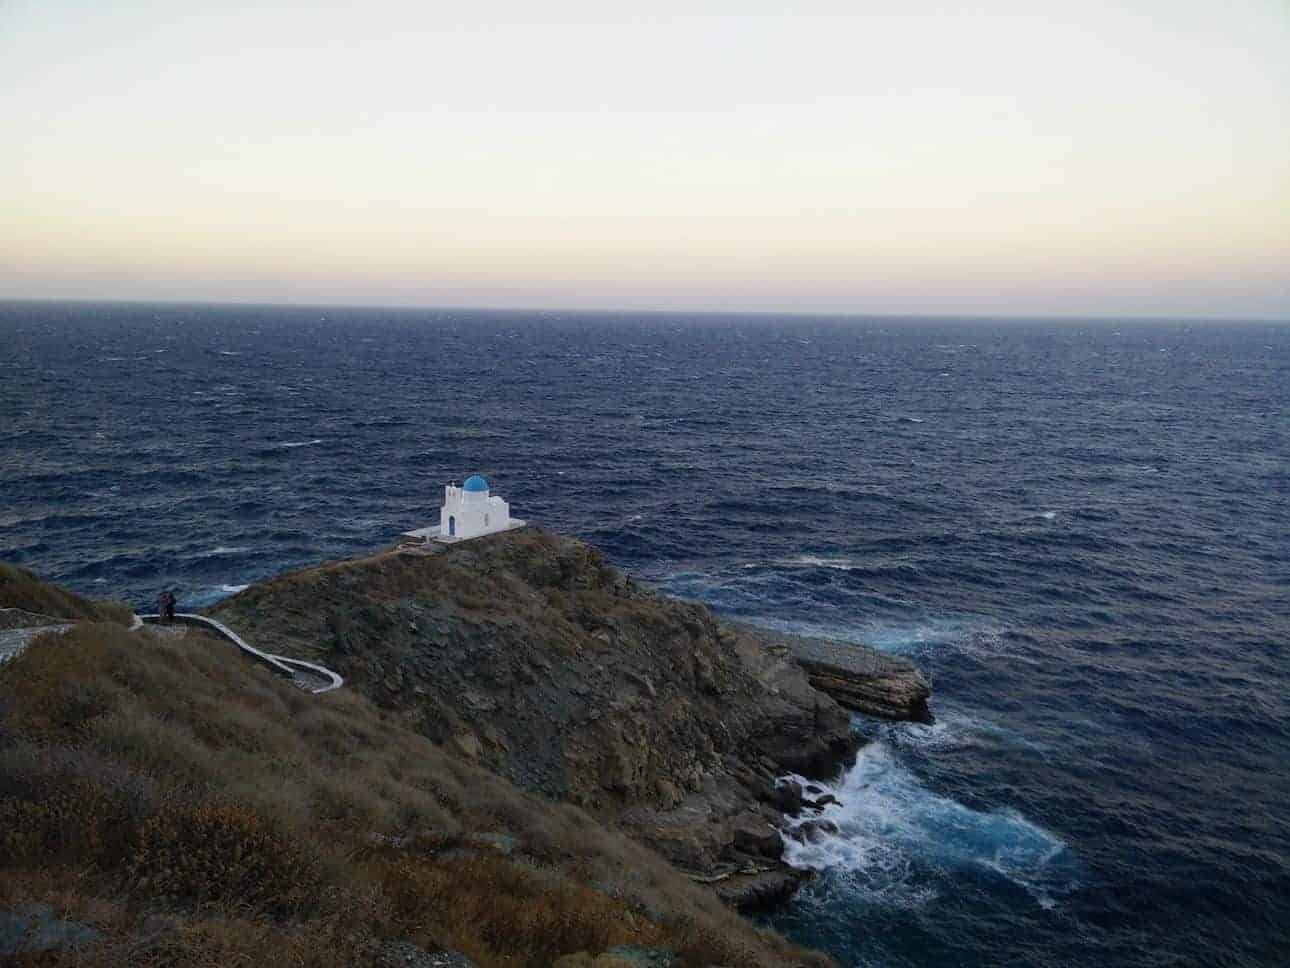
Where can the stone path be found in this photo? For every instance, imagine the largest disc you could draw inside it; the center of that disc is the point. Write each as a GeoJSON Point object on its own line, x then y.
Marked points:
{"type": "Point", "coordinates": [309, 676]}
{"type": "Point", "coordinates": [13, 641]}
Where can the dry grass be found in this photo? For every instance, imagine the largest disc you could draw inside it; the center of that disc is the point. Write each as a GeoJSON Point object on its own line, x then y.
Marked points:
{"type": "Point", "coordinates": [510, 914]}
{"type": "Point", "coordinates": [200, 811]}
{"type": "Point", "coordinates": [19, 588]}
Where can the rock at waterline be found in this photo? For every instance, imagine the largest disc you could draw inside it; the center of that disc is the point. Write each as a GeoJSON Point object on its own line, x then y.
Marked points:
{"type": "Point", "coordinates": [761, 890]}
{"type": "Point", "coordinates": [858, 677]}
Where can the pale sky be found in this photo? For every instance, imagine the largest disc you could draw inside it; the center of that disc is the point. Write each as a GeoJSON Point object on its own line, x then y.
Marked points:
{"type": "Point", "coordinates": [1033, 157]}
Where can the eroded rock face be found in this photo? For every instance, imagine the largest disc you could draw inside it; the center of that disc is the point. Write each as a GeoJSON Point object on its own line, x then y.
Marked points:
{"type": "Point", "coordinates": [900, 695]}
{"type": "Point", "coordinates": [527, 653]}
{"type": "Point", "coordinates": [762, 890]}
{"type": "Point", "coordinates": [859, 677]}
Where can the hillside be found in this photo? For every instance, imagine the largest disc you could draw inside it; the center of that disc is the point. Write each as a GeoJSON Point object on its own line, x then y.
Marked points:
{"type": "Point", "coordinates": [22, 591]}
{"type": "Point", "coordinates": [526, 653]}
{"type": "Point", "coordinates": [183, 806]}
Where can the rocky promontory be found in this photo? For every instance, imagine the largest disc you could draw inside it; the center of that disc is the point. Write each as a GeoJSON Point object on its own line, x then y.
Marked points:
{"type": "Point", "coordinates": [859, 677]}
{"type": "Point", "coordinates": [528, 654]}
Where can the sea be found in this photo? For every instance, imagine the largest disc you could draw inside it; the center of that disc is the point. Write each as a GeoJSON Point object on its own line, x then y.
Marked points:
{"type": "Point", "coordinates": [1079, 529]}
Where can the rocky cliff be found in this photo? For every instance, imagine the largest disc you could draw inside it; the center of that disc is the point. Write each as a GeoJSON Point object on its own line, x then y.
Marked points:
{"type": "Point", "coordinates": [167, 800]}
{"type": "Point", "coordinates": [526, 653]}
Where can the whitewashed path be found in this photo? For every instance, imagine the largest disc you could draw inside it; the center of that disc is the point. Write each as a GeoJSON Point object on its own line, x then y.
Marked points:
{"type": "Point", "coordinates": [13, 641]}
{"type": "Point", "coordinates": [18, 627]}
{"type": "Point", "coordinates": [309, 676]}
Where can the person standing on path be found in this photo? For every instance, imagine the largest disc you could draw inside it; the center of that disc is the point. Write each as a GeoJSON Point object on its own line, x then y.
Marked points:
{"type": "Point", "coordinates": [166, 606]}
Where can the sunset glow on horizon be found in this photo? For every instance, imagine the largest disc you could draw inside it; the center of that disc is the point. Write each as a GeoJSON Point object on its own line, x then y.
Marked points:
{"type": "Point", "coordinates": [1018, 158]}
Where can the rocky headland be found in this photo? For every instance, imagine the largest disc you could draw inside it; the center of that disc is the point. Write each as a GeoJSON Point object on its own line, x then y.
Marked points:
{"type": "Point", "coordinates": [528, 654]}
{"type": "Point", "coordinates": [534, 760]}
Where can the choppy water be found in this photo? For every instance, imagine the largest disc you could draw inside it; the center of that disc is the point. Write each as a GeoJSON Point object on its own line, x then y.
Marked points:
{"type": "Point", "coordinates": [1080, 529]}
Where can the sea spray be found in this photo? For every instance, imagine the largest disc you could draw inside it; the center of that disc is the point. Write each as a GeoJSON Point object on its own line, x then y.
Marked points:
{"type": "Point", "coordinates": [899, 842]}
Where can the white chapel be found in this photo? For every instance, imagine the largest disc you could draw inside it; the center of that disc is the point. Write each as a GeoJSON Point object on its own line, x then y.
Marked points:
{"type": "Point", "coordinates": [469, 511]}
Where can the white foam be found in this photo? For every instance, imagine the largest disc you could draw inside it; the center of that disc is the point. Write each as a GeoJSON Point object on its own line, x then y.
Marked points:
{"type": "Point", "coordinates": [225, 550]}
{"type": "Point", "coordinates": [894, 833]}
{"type": "Point", "coordinates": [209, 595]}
{"type": "Point", "coordinates": [1048, 515]}
{"type": "Point", "coordinates": [954, 729]}
{"type": "Point", "coordinates": [300, 443]}
{"type": "Point", "coordinates": [819, 561]}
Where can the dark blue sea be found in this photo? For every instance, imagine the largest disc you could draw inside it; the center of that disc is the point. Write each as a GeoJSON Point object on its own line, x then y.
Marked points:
{"type": "Point", "coordinates": [1079, 529]}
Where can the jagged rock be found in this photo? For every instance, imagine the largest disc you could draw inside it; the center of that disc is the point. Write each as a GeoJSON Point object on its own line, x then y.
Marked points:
{"type": "Point", "coordinates": [788, 797]}
{"type": "Point", "coordinates": [755, 836]}
{"type": "Point", "coordinates": [864, 679]}
{"type": "Point", "coordinates": [812, 831]}
{"type": "Point", "coordinates": [752, 892]}
{"type": "Point", "coordinates": [819, 805]}
{"type": "Point", "coordinates": [669, 793]}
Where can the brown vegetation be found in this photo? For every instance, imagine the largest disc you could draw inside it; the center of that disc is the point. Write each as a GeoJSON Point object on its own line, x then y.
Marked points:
{"type": "Point", "coordinates": [199, 811]}
{"type": "Point", "coordinates": [19, 588]}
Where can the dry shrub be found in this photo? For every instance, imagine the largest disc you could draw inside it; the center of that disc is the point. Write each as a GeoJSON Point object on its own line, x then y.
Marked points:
{"type": "Point", "coordinates": [60, 683]}
{"type": "Point", "coordinates": [491, 907]}
{"type": "Point", "coordinates": [224, 852]}
{"type": "Point", "coordinates": [213, 944]}
{"type": "Point", "coordinates": [349, 799]}
{"type": "Point", "coordinates": [166, 748]}
{"type": "Point", "coordinates": [82, 823]}
{"type": "Point", "coordinates": [67, 806]}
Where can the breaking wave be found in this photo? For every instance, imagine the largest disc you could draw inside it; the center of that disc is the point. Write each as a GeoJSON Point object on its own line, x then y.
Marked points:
{"type": "Point", "coordinates": [898, 842]}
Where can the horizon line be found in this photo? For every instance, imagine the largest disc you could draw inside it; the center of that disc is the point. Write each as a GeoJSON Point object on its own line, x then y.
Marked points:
{"type": "Point", "coordinates": [608, 310]}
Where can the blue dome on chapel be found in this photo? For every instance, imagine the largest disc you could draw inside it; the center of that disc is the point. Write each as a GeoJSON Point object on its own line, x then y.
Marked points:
{"type": "Point", "coordinates": [475, 483]}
